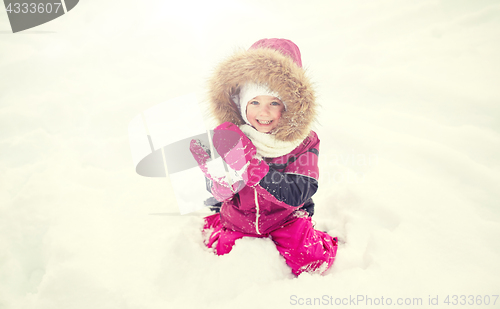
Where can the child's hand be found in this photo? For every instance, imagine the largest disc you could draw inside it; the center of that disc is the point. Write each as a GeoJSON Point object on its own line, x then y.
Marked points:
{"type": "Point", "coordinates": [233, 145]}
{"type": "Point", "coordinates": [239, 153]}
{"type": "Point", "coordinates": [200, 153]}
{"type": "Point", "coordinates": [220, 188]}
{"type": "Point", "coordinates": [255, 171]}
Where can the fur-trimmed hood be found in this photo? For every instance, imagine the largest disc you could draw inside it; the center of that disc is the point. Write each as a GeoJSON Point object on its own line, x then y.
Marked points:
{"type": "Point", "coordinates": [281, 74]}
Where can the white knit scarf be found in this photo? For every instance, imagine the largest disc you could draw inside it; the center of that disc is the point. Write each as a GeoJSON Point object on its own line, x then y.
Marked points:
{"type": "Point", "coordinates": [267, 144]}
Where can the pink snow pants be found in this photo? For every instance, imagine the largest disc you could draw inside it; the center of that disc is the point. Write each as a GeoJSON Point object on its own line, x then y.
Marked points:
{"type": "Point", "coordinates": [303, 247]}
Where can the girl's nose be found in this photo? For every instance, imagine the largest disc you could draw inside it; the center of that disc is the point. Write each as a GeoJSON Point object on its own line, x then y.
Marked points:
{"type": "Point", "coordinates": [264, 110]}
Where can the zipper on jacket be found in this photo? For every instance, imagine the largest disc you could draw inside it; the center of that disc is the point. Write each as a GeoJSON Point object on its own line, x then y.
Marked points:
{"type": "Point", "coordinates": [257, 211]}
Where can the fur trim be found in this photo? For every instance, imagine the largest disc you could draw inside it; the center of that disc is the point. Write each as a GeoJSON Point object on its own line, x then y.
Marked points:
{"type": "Point", "coordinates": [280, 74]}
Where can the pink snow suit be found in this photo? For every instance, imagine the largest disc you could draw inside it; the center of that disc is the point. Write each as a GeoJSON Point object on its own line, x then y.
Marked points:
{"type": "Point", "coordinates": [282, 167]}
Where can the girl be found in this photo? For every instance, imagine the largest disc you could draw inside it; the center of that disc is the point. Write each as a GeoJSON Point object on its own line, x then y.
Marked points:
{"type": "Point", "coordinates": [266, 105]}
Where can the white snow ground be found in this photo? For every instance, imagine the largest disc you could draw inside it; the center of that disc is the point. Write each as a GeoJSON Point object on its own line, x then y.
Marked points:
{"type": "Point", "coordinates": [410, 154]}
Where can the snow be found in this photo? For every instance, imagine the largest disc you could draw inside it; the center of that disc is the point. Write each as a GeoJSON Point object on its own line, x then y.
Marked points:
{"type": "Point", "coordinates": [409, 157]}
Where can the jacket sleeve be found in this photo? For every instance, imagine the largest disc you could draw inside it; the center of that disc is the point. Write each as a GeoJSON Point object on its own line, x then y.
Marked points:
{"type": "Point", "coordinates": [298, 182]}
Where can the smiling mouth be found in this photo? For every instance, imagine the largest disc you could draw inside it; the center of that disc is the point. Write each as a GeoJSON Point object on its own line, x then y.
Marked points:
{"type": "Point", "coordinates": [264, 122]}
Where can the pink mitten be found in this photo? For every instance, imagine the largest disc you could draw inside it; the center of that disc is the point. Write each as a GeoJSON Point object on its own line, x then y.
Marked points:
{"type": "Point", "coordinates": [201, 155]}
{"type": "Point", "coordinates": [255, 171]}
{"type": "Point", "coordinates": [220, 189]}
{"type": "Point", "coordinates": [233, 145]}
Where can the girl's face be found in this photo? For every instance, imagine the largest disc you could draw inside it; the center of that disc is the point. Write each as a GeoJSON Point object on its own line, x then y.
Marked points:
{"type": "Point", "coordinates": [264, 112]}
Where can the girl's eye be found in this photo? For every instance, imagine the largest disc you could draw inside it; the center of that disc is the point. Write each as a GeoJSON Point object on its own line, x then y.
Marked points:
{"type": "Point", "coordinates": [254, 102]}
{"type": "Point", "coordinates": [275, 103]}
